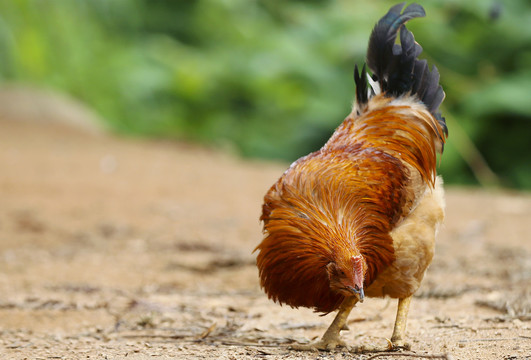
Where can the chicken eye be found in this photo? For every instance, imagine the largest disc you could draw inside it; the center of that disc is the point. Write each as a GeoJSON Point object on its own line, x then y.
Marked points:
{"type": "Point", "coordinates": [342, 273]}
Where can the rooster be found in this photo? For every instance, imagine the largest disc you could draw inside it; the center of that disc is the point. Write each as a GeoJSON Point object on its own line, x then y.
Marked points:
{"type": "Point", "coordinates": [358, 218]}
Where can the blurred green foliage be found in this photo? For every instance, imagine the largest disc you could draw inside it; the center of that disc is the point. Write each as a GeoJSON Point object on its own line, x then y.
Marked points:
{"type": "Point", "coordinates": [273, 78]}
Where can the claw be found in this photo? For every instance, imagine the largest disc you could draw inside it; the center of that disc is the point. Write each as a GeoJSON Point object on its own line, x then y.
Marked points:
{"type": "Point", "coordinates": [390, 345]}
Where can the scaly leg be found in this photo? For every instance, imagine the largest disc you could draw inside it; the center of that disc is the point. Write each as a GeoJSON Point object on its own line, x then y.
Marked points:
{"type": "Point", "coordinates": [330, 339]}
{"type": "Point", "coordinates": [399, 333]}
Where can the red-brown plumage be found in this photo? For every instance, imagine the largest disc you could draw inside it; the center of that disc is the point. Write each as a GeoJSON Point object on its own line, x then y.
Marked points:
{"type": "Point", "coordinates": [341, 201]}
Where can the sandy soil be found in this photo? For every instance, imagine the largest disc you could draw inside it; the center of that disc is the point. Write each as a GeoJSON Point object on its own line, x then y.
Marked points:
{"type": "Point", "coordinates": [126, 249]}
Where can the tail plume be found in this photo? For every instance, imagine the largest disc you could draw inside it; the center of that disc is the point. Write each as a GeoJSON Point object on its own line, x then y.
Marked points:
{"type": "Point", "coordinates": [396, 68]}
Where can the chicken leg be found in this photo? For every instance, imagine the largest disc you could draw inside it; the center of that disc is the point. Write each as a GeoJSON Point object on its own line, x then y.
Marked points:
{"type": "Point", "coordinates": [330, 339]}
{"type": "Point", "coordinates": [399, 332]}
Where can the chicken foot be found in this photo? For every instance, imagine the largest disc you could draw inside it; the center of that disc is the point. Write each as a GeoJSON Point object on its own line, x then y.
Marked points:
{"type": "Point", "coordinates": [397, 341]}
{"type": "Point", "coordinates": [331, 339]}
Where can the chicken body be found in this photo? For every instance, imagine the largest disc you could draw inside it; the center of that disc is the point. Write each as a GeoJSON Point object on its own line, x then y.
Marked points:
{"type": "Point", "coordinates": [359, 217]}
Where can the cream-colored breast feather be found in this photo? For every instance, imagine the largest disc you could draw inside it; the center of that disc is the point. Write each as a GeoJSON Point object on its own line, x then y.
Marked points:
{"type": "Point", "coordinates": [414, 243]}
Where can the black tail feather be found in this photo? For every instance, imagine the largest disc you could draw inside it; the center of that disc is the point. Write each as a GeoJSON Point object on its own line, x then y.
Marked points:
{"type": "Point", "coordinates": [383, 54]}
{"type": "Point", "coordinates": [362, 89]}
{"type": "Point", "coordinates": [396, 66]}
{"type": "Point", "coordinates": [420, 69]}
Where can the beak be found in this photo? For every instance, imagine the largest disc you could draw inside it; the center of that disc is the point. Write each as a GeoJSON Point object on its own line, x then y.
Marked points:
{"type": "Point", "coordinates": [358, 292]}
{"type": "Point", "coordinates": [361, 295]}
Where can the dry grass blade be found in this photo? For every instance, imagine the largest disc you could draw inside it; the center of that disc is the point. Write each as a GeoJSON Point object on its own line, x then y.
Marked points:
{"type": "Point", "coordinates": [207, 332]}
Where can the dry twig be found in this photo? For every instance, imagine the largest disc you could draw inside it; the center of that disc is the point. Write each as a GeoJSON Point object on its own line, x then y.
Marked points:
{"type": "Point", "coordinates": [238, 343]}
{"type": "Point", "coordinates": [161, 336]}
{"type": "Point", "coordinates": [489, 339]}
{"type": "Point", "coordinates": [423, 356]}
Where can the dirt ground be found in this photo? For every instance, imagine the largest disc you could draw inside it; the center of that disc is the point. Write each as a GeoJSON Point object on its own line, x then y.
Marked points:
{"type": "Point", "coordinates": [115, 248]}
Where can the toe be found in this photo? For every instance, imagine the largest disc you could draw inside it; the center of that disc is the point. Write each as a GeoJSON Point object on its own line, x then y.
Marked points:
{"type": "Point", "coordinates": [398, 344]}
{"type": "Point", "coordinates": [374, 348]}
{"type": "Point", "coordinates": [323, 344]}
{"type": "Point", "coordinates": [303, 347]}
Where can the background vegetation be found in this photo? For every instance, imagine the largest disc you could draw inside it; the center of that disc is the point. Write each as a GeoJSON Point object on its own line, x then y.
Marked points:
{"type": "Point", "coordinates": [272, 78]}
